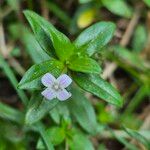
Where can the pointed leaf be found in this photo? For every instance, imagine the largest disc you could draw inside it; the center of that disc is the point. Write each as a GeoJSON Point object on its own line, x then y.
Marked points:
{"type": "Point", "coordinates": [99, 87]}
{"type": "Point", "coordinates": [86, 65]}
{"type": "Point", "coordinates": [95, 37]}
{"type": "Point", "coordinates": [49, 37]}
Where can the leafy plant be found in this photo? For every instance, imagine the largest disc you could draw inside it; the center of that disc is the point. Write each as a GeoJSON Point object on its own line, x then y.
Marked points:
{"type": "Point", "coordinates": [75, 59]}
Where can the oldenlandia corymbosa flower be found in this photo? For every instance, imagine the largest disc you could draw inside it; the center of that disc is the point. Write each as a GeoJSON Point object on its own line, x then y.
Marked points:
{"type": "Point", "coordinates": [55, 88]}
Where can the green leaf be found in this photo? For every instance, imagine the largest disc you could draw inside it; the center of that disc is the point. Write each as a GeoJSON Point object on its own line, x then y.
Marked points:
{"type": "Point", "coordinates": [83, 111]}
{"type": "Point", "coordinates": [38, 108]}
{"type": "Point", "coordinates": [118, 7]}
{"type": "Point", "coordinates": [85, 65]}
{"type": "Point", "coordinates": [139, 38]}
{"type": "Point", "coordinates": [147, 2]}
{"type": "Point", "coordinates": [99, 87]}
{"type": "Point", "coordinates": [80, 142]}
{"type": "Point", "coordinates": [40, 28]}
{"type": "Point", "coordinates": [138, 137]}
{"type": "Point", "coordinates": [55, 134]}
{"type": "Point", "coordinates": [84, 1]}
{"type": "Point", "coordinates": [95, 37]}
{"type": "Point", "coordinates": [49, 37]}
{"type": "Point", "coordinates": [32, 78]}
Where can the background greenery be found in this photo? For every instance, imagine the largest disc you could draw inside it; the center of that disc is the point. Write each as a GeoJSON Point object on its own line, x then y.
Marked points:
{"type": "Point", "coordinates": [86, 123]}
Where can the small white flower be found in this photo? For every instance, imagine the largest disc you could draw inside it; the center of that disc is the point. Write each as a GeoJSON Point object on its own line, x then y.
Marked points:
{"type": "Point", "coordinates": [55, 88]}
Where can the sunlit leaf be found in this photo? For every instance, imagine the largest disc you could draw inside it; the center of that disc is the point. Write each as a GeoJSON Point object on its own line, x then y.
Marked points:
{"type": "Point", "coordinates": [86, 18]}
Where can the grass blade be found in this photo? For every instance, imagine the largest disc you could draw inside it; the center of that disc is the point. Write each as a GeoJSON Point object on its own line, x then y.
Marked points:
{"type": "Point", "coordinates": [9, 113]}
{"type": "Point", "coordinates": [11, 76]}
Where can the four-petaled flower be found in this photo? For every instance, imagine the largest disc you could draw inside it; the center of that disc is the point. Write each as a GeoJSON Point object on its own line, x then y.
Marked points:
{"type": "Point", "coordinates": [55, 88]}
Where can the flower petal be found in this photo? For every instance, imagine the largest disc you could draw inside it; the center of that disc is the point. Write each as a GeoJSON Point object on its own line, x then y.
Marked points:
{"type": "Point", "coordinates": [63, 95]}
{"type": "Point", "coordinates": [64, 80]}
{"type": "Point", "coordinates": [48, 79]}
{"type": "Point", "coordinates": [49, 94]}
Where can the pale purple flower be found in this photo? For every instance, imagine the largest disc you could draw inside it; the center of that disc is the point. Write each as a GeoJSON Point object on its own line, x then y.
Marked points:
{"type": "Point", "coordinates": [55, 88]}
